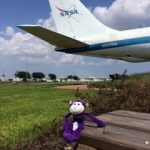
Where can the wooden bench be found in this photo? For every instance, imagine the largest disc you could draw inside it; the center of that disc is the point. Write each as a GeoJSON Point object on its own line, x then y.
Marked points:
{"type": "Point", "coordinates": [126, 130]}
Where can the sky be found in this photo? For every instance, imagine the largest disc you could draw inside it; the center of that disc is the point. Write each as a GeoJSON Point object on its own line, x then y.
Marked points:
{"type": "Point", "coordinates": [20, 51]}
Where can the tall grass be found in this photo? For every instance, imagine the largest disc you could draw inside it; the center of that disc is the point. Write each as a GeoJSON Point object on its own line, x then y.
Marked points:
{"type": "Point", "coordinates": [26, 111]}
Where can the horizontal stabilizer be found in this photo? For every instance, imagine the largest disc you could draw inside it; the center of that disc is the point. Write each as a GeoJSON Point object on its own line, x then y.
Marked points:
{"type": "Point", "coordinates": [54, 38]}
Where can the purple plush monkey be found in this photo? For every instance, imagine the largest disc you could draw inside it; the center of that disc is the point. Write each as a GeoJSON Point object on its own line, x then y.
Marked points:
{"type": "Point", "coordinates": [72, 129]}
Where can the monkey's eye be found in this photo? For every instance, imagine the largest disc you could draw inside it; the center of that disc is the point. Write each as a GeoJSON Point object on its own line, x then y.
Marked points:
{"type": "Point", "coordinates": [74, 104]}
{"type": "Point", "coordinates": [78, 103]}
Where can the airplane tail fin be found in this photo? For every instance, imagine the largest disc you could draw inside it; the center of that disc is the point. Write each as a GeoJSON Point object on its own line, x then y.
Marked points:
{"type": "Point", "coordinates": [73, 19]}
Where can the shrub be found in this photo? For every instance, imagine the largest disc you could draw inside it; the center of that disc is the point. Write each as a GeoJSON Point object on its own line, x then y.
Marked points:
{"type": "Point", "coordinates": [130, 95]}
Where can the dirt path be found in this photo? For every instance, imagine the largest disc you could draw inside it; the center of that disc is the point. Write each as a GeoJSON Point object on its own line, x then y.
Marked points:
{"type": "Point", "coordinates": [73, 87]}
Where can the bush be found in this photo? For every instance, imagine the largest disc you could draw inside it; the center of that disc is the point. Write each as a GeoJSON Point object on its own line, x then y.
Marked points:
{"type": "Point", "coordinates": [102, 84]}
{"type": "Point", "coordinates": [131, 95]}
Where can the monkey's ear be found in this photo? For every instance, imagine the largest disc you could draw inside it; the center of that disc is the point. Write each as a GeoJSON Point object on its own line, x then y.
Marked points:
{"type": "Point", "coordinates": [87, 104]}
{"type": "Point", "coordinates": [70, 102]}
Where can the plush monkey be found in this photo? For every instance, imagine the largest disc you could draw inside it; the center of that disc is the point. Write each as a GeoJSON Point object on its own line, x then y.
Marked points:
{"type": "Point", "coordinates": [72, 129]}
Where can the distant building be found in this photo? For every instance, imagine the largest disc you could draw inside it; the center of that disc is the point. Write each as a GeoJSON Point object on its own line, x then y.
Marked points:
{"type": "Point", "coordinates": [47, 80]}
{"type": "Point", "coordinates": [17, 79]}
{"type": "Point", "coordinates": [61, 79]}
{"type": "Point", "coordinates": [93, 79]}
{"type": "Point", "coordinates": [2, 78]}
{"type": "Point", "coordinates": [83, 79]}
{"type": "Point", "coordinates": [64, 79]}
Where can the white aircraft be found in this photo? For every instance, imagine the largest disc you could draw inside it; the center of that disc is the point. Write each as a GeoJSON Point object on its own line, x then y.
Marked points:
{"type": "Point", "coordinates": [79, 32]}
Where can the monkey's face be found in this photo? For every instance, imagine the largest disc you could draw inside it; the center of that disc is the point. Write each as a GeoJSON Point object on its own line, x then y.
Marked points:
{"type": "Point", "coordinates": [77, 108]}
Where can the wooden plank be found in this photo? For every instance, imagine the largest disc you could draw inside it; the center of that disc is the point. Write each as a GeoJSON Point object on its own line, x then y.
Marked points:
{"type": "Point", "coordinates": [84, 147]}
{"type": "Point", "coordinates": [126, 122]}
{"type": "Point", "coordinates": [131, 114]}
{"type": "Point", "coordinates": [115, 139]}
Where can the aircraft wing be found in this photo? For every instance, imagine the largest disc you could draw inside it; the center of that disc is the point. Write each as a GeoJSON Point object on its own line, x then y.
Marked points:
{"type": "Point", "coordinates": [54, 38]}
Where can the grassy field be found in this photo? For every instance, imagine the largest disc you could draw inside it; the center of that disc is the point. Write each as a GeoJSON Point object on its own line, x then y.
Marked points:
{"type": "Point", "coordinates": [142, 76]}
{"type": "Point", "coordinates": [26, 111]}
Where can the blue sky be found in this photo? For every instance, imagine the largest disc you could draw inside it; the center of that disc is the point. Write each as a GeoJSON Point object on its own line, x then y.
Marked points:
{"type": "Point", "coordinates": [29, 11]}
{"type": "Point", "coordinates": [36, 55]}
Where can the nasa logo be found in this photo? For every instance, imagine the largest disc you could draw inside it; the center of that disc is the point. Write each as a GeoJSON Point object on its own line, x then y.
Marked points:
{"type": "Point", "coordinates": [71, 11]}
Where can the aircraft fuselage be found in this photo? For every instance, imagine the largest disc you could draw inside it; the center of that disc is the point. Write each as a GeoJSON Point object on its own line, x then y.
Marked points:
{"type": "Point", "coordinates": [130, 45]}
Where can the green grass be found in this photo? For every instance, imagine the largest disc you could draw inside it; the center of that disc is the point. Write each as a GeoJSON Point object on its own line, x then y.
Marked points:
{"type": "Point", "coordinates": [22, 107]}
{"type": "Point", "coordinates": [141, 76]}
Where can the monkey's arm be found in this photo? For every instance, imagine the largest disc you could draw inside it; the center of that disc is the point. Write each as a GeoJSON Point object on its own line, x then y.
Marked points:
{"type": "Point", "coordinates": [66, 124]}
{"type": "Point", "coordinates": [99, 123]}
{"type": "Point", "coordinates": [66, 118]}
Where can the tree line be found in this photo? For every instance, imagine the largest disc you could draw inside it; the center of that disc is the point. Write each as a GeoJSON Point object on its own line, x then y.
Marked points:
{"type": "Point", "coordinates": [40, 75]}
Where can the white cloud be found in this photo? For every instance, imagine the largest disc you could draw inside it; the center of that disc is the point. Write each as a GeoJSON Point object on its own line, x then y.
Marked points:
{"type": "Point", "coordinates": [68, 58]}
{"type": "Point", "coordinates": [47, 23]}
{"type": "Point", "coordinates": [9, 31]}
{"type": "Point", "coordinates": [125, 14]}
{"type": "Point", "coordinates": [35, 51]}
{"type": "Point", "coordinates": [1, 40]}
